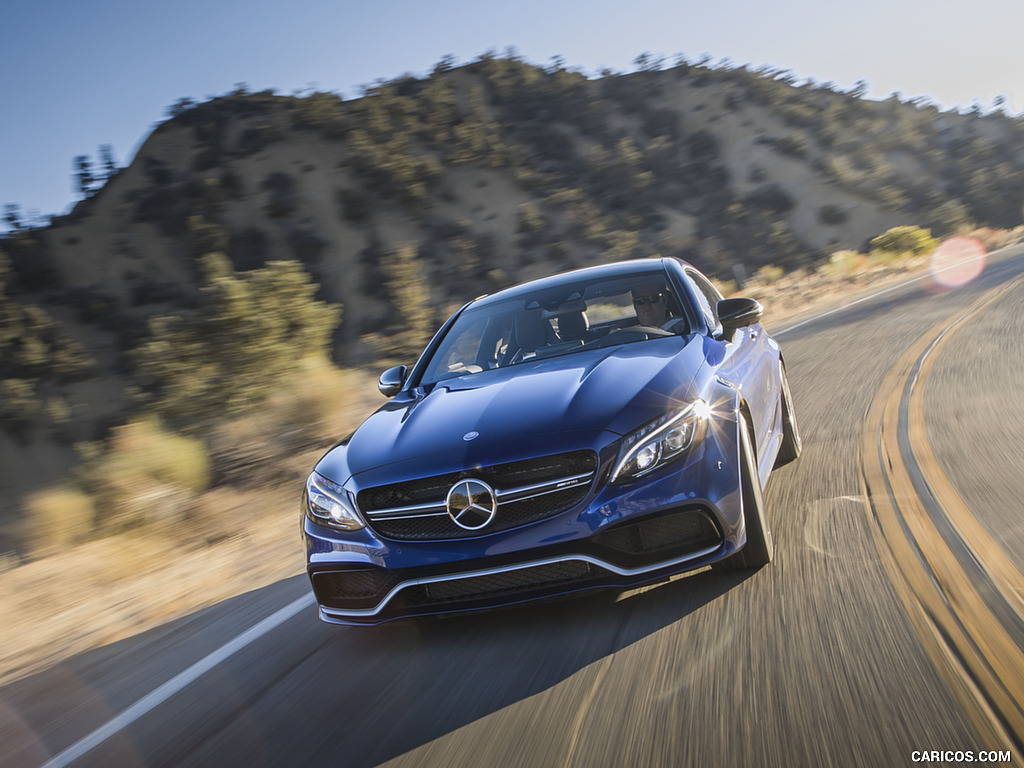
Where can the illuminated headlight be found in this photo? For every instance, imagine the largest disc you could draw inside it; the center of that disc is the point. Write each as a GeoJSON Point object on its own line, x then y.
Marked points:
{"type": "Point", "coordinates": [661, 441]}
{"type": "Point", "coordinates": [330, 504]}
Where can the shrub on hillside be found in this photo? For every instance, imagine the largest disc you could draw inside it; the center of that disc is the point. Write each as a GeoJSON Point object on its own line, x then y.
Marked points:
{"type": "Point", "coordinates": [831, 215]}
{"type": "Point", "coordinates": [948, 217]}
{"type": "Point", "coordinates": [322, 112]}
{"type": "Point", "coordinates": [56, 518]}
{"type": "Point", "coordinates": [252, 140]}
{"type": "Point", "coordinates": [35, 350]}
{"type": "Point", "coordinates": [142, 477]}
{"type": "Point", "coordinates": [283, 196]}
{"type": "Point", "coordinates": [843, 263]}
{"type": "Point", "coordinates": [661, 122]}
{"type": "Point", "coordinates": [205, 237]}
{"type": "Point", "coordinates": [306, 412]}
{"type": "Point", "coordinates": [33, 345]}
{"type": "Point", "coordinates": [532, 224]}
{"type": "Point", "coordinates": [353, 205]}
{"type": "Point", "coordinates": [772, 198]}
{"type": "Point", "coordinates": [248, 248]}
{"type": "Point", "coordinates": [146, 476]}
{"type": "Point", "coordinates": [791, 145]}
{"type": "Point", "coordinates": [18, 405]}
{"type": "Point", "coordinates": [31, 261]}
{"type": "Point", "coordinates": [769, 274]}
{"type": "Point", "coordinates": [910, 241]}
{"type": "Point", "coordinates": [402, 276]}
{"type": "Point", "coordinates": [702, 147]}
{"type": "Point", "coordinates": [250, 329]}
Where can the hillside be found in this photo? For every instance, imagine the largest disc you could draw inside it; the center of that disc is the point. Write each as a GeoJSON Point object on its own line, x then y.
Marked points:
{"type": "Point", "coordinates": [460, 183]}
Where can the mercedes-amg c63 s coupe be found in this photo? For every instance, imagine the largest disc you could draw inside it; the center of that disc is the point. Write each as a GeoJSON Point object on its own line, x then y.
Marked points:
{"type": "Point", "coordinates": [606, 427]}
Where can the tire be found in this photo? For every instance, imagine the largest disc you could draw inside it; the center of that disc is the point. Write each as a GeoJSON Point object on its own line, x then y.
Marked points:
{"type": "Point", "coordinates": [760, 547]}
{"type": "Point", "coordinates": [792, 444]}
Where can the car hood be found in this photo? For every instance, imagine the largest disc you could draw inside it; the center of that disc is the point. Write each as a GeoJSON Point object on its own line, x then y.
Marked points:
{"type": "Point", "coordinates": [522, 410]}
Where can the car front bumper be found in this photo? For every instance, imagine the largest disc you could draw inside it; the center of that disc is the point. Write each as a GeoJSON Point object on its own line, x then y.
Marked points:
{"type": "Point", "coordinates": [680, 518]}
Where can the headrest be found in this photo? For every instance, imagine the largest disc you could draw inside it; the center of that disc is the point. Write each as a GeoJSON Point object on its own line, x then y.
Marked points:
{"type": "Point", "coordinates": [531, 331]}
{"type": "Point", "coordinates": [573, 325]}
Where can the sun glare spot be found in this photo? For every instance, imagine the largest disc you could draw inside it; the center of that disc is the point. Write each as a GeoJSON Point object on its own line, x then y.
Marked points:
{"type": "Point", "coordinates": [956, 262]}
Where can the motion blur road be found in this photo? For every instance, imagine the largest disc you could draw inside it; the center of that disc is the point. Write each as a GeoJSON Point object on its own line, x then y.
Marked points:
{"type": "Point", "coordinates": [826, 657]}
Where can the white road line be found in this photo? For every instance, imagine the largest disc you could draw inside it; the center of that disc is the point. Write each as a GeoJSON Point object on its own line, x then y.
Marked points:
{"type": "Point", "coordinates": [809, 320]}
{"type": "Point", "coordinates": [174, 685]}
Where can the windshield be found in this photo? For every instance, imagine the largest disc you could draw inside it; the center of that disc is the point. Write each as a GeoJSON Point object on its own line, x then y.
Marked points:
{"type": "Point", "coordinates": [555, 321]}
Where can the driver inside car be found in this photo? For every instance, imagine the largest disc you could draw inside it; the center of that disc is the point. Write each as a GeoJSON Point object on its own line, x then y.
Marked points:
{"type": "Point", "coordinates": [651, 307]}
{"type": "Point", "coordinates": [649, 304]}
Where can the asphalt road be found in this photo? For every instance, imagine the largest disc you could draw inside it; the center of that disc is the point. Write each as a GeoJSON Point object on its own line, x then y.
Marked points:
{"type": "Point", "coordinates": [815, 660]}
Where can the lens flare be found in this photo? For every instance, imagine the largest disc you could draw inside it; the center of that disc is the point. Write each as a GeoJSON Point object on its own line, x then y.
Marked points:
{"type": "Point", "coordinates": [956, 262]}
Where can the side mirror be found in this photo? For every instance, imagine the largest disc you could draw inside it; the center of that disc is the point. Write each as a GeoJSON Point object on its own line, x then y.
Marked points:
{"type": "Point", "coordinates": [738, 313]}
{"type": "Point", "coordinates": [391, 381]}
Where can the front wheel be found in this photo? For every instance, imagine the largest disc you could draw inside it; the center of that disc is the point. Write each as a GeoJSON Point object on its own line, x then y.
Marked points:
{"type": "Point", "coordinates": [760, 547]}
{"type": "Point", "coordinates": [792, 445]}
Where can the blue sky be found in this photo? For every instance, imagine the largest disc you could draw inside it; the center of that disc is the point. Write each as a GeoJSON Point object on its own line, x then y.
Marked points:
{"type": "Point", "coordinates": [78, 75]}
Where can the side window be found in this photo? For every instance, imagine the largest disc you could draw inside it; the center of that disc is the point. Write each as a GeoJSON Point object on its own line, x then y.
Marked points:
{"type": "Point", "coordinates": [708, 296]}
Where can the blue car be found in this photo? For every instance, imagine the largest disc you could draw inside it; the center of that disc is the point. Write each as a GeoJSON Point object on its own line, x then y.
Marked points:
{"type": "Point", "coordinates": [606, 427]}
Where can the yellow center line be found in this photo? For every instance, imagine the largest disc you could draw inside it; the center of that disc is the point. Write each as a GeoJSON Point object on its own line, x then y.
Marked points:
{"type": "Point", "coordinates": [1001, 569]}
{"type": "Point", "coordinates": [982, 663]}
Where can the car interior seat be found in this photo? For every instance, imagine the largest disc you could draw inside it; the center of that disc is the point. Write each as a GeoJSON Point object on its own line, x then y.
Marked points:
{"type": "Point", "coordinates": [530, 332]}
{"type": "Point", "coordinates": [574, 326]}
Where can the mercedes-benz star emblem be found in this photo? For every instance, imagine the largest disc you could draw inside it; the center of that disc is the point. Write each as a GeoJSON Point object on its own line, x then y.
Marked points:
{"type": "Point", "coordinates": [471, 504]}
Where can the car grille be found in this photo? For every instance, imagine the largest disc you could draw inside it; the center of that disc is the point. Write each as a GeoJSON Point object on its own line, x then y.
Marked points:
{"type": "Point", "coordinates": [526, 491]}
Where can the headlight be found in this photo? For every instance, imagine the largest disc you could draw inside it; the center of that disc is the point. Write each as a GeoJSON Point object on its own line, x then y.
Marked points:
{"type": "Point", "coordinates": [658, 442]}
{"type": "Point", "coordinates": [330, 504]}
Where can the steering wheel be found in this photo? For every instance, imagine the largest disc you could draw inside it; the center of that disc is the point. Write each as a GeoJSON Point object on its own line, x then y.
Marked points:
{"type": "Point", "coordinates": [631, 333]}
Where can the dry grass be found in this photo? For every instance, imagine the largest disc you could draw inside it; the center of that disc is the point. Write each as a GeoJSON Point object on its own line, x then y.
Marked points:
{"type": "Point", "coordinates": [111, 589]}
{"type": "Point", "coordinates": [63, 516]}
{"type": "Point", "coordinates": [801, 291]}
{"type": "Point", "coordinates": [155, 572]}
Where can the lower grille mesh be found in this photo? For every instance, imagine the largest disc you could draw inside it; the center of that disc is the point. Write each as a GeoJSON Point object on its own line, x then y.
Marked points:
{"type": "Point", "coordinates": [366, 588]}
{"type": "Point", "coordinates": [505, 585]}
{"type": "Point", "coordinates": [354, 589]}
{"type": "Point", "coordinates": [691, 530]}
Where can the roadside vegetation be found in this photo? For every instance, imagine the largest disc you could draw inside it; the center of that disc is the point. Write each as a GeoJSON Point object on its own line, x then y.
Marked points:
{"type": "Point", "coordinates": [227, 396]}
{"type": "Point", "coordinates": [241, 396]}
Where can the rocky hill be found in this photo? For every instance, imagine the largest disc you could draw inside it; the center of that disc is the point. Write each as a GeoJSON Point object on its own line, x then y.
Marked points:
{"type": "Point", "coordinates": [498, 171]}
{"type": "Point", "coordinates": [458, 184]}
